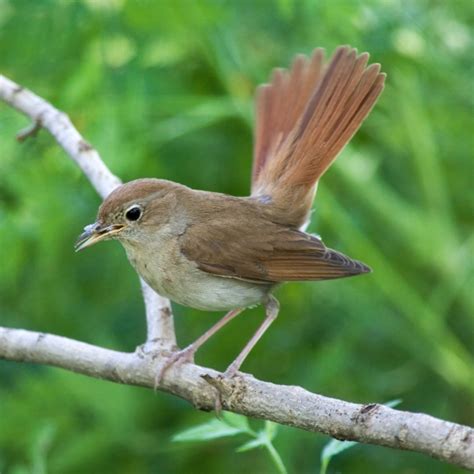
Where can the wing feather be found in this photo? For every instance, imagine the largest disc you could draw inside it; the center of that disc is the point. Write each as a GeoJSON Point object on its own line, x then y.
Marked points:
{"type": "Point", "coordinates": [279, 254]}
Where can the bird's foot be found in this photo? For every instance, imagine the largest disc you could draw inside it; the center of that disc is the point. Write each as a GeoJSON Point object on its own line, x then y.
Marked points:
{"type": "Point", "coordinates": [176, 358]}
{"type": "Point", "coordinates": [230, 372]}
{"type": "Point", "coordinates": [220, 382]}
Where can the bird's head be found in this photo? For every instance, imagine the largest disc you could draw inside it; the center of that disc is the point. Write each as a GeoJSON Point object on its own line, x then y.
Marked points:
{"type": "Point", "coordinates": [131, 212]}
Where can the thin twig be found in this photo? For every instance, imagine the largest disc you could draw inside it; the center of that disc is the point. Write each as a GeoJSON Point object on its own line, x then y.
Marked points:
{"type": "Point", "coordinates": [29, 131]}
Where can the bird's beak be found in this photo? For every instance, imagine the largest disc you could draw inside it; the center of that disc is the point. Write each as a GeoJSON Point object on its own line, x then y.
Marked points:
{"type": "Point", "coordinates": [94, 233]}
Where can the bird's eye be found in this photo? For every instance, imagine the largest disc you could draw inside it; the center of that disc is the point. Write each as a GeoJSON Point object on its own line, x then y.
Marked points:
{"type": "Point", "coordinates": [134, 213]}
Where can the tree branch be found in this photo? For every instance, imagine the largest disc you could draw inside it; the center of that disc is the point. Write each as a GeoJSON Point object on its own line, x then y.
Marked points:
{"type": "Point", "coordinates": [245, 394]}
{"type": "Point", "coordinates": [289, 405]}
{"type": "Point", "coordinates": [159, 319]}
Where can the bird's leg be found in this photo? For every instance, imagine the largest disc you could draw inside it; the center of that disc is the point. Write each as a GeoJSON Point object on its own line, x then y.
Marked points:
{"type": "Point", "coordinates": [271, 310]}
{"type": "Point", "coordinates": [187, 354]}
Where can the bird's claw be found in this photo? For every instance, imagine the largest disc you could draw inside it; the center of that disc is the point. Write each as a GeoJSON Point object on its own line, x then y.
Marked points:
{"type": "Point", "coordinates": [230, 372]}
{"type": "Point", "coordinates": [176, 358]}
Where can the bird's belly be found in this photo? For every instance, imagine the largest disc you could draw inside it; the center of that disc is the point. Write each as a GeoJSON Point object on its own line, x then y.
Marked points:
{"type": "Point", "coordinates": [179, 280]}
{"type": "Point", "coordinates": [212, 293]}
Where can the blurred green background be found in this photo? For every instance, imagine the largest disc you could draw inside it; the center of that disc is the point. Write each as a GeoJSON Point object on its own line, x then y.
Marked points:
{"type": "Point", "coordinates": [165, 89]}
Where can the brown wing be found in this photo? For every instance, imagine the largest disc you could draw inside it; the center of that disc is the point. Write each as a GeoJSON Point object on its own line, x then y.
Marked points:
{"type": "Point", "coordinates": [279, 254]}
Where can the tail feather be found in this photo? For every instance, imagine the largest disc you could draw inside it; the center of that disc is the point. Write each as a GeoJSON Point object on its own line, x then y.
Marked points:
{"type": "Point", "coordinates": [305, 117]}
{"type": "Point", "coordinates": [281, 104]}
{"type": "Point", "coordinates": [343, 131]}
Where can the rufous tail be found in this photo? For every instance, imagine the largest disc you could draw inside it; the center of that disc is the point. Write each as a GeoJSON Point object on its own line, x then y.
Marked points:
{"type": "Point", "coordinates": [304, 118]}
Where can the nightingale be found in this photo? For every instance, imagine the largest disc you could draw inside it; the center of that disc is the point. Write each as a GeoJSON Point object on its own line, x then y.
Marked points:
{"type": "Point", "coordinates": [216, 252]}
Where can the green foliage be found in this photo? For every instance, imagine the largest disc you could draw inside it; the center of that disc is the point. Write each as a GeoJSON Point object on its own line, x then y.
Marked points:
{"type": "Point", "coordinates": [231, 424]}
{"type": "Point", "coordinates": [333, 448]}
{"type": "Point", "coordinates": [165, 88]}
{"type": "Point", "coordinates": [38, 452]}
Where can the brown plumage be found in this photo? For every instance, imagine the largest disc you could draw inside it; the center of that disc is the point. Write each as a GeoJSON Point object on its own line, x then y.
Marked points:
{"type": "Point", "coordinates": [238, 248]}
{"type": "Point", "coordinates": [217, 252]}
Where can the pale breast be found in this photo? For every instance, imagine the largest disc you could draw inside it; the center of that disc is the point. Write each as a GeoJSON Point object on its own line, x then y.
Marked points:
{"type": "Point", "coordinates": [172, 275]}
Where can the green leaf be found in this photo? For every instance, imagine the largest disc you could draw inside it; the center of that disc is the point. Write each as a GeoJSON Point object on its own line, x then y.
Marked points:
{"type": "Point", "coordinates": [237, 421]}
{"type": "Point", "coordinates": [212, 430]}
{"type": "Point", "coordinates": [276, 458]}
{"type": "Point", "coordinates": [271, 429]}
{"type": "Point", "coordinates": [393, 403]}
{"type": "Point", "coordinates": [333, 448]}
{"type": "Point", "coordinates": [252, 444]}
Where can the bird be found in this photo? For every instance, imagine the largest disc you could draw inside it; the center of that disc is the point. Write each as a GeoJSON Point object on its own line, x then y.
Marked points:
{"type": "Point", "coordinates": [216, 252]}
